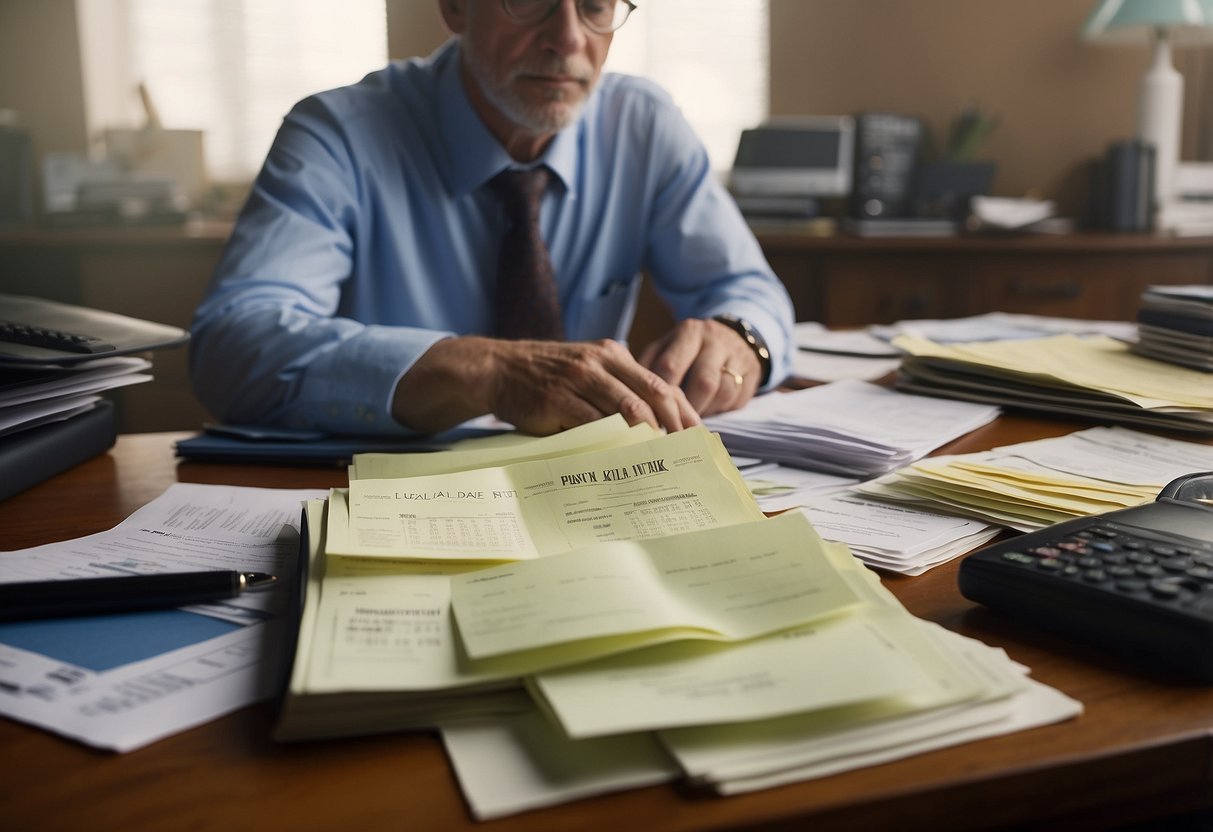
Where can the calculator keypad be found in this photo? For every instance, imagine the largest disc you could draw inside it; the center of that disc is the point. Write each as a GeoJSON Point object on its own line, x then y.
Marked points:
{"type": "Point", "coordinates": [1125, 562]}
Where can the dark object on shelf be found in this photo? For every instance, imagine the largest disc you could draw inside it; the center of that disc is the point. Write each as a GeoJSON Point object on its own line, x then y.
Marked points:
{"type": "Point", "coordinates": [1122, 188]}
{"type": "Point", "coordinates": [944, 189]}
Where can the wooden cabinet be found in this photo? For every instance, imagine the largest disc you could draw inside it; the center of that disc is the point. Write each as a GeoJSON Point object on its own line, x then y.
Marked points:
{"type": "Point", "coordinates": [851, 281]}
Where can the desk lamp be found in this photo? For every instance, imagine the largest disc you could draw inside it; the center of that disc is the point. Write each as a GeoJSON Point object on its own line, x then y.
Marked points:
{"type": "Point", "coordinates": [1163, 23]}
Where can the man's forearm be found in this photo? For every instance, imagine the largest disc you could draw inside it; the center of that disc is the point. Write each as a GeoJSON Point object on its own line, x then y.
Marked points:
{"type": "Point", "coordinates": [449, 384]}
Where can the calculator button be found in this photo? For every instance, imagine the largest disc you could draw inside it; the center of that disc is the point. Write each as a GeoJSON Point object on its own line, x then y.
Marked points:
{"type": "Point", "coordinates": [1165, 588]}
{"type": "Point", "coordinates": [1121, 571]}
{"type": "Point", "coordinates": [1140, 557]}
{"type": "Point", "coordinates": [1179, 564]}
{"type": "Point", "coordinates": [1131, 584]}
{"type": "Point", "coordinates": [1201, 573]}
{"type": "Point", "coordinates": [1103, 546]}
{"type": "Point", "coordinates": [1018, 557]}
{"type": "Point", "coordinates": [1045, 551]}
{"type": "Point", "coordinates": [1164, 551]}
{"type": "Point", "coordinates": [1148, 570]}
{"type": "Point", "coordinates": [35, 336]}
{"type": "Point", "coordinates": [1133, 545]}
{"type": "Point", "coordinates": [1095, 576]}
{"type": "Point", "coordinates": [1089, 562]}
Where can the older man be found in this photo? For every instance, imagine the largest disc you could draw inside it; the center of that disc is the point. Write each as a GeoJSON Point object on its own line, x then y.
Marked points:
{"type": "Point", "coordinates": [369, 285]}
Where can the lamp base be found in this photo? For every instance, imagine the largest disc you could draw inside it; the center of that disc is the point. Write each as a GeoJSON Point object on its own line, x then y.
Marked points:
{"type": "Point", "coordinates": [1160, 118]}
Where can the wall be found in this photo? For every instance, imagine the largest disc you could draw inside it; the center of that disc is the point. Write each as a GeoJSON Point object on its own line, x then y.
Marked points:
{"type": "Point", "coordinates": [1060, 100]}
{"type": "Point", "coordinates": [40, 74]}
{"type": "Point", "coordinates": [414, 27]}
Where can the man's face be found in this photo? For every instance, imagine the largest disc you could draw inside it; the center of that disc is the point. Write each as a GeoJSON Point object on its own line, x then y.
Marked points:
{"type": "Point", "coordinates": [530, 78]}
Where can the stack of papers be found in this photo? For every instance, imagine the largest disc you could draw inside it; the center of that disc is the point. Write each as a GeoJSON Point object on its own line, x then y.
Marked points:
{"type": "Point", "coordinates": [999, 326]}
{"type": "Point", "coordinates": [864, 684]}
{"type": "Point", "coordinates": [392, 547]}
{"type": "Point", "coordinates": [893, 538]}
{"type": "Point", "coordinates": [847, 427]}
{"type": "Point", "coordinates": [43, 384]}
{"type": "Point", "coordinates": [897, 538]}
{"type": "Point", "coordinates": [1035, 484]}
{"type": "Point", "coordinates": [1175, 324]}
{"type": "Point", "coordinates": [1000, 213]}
{"type": "Point", "coordinates": [1094, 377]}
{"type": "Point", "coordinates": [612, 609]}
{"type": "Point", "coordinates": [34, 395]}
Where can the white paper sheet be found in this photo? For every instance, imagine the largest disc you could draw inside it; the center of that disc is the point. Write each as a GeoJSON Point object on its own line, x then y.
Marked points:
{"type": "Point", "coordinates": [123, 681]}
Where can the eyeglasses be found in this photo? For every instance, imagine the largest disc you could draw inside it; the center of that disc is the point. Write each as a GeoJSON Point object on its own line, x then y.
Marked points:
{"type": "Point", "coordinates": [599, 16]}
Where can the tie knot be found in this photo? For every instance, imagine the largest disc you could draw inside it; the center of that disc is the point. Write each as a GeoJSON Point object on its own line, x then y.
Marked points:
{"type": "Point", "coordinates": [521, 190]}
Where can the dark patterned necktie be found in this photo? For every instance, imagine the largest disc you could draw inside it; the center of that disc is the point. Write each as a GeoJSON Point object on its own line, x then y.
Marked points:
{"type": "Point", "coordinates": [528, 305]}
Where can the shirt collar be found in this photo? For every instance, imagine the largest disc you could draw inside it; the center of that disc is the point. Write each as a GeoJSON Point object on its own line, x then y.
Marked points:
{"type": "Point", "coordinates": [474, 154]}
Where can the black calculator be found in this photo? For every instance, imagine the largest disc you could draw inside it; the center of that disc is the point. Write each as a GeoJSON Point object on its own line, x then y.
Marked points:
{"type": "Point", "coordinates": [1137, 582]}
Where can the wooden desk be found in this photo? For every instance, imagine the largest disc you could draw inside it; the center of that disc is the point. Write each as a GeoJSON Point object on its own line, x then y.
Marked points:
{"type": "Point", "coordinates": [1141, 749]}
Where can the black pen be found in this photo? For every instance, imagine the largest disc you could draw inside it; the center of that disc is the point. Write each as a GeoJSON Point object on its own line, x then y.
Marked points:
{"type": "Point", "coordinates": [128, 593]}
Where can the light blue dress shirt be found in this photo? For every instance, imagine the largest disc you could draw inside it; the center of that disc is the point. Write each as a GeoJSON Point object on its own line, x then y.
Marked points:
{"type": "Point", "coordinates": [368, 236]}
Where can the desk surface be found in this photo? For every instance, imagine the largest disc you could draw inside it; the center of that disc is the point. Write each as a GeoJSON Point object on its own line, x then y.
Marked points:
{"type": "Point", "coordinates": [1141, 748]}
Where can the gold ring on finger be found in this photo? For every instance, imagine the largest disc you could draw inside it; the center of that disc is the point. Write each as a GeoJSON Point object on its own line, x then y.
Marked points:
{"type": "Point", "coordinates": [737, 377]}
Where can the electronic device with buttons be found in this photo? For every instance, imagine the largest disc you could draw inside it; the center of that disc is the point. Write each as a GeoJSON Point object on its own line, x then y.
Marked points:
{"type": "Point", "coordinates": [36, 331]}
{"type": "Point", "coordinates": [788, 163]}
{"type": "Point", "coordinates": [886, 157]}
{"type": "Point", "coordinates": [1137, 582]}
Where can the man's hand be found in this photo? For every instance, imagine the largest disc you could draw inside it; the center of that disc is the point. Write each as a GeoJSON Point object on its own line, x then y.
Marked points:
{"type": "Point", "coordinates": [540, 387]}
{"type": "Point", "coordinates": [710, 362]}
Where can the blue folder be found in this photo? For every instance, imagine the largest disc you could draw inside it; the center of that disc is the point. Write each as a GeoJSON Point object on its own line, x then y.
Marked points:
{"type": "Point", "coordinates": [228, 443]}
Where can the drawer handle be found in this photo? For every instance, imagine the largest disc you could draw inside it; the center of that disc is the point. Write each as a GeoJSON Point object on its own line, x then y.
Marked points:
{"type": "Point", "coordinates": [1062, 291]}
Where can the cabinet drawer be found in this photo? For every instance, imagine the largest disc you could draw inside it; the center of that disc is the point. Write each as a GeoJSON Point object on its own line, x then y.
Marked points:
{"type": "Point", "coordinates": [880, 290]}
{"type": "Point", "coordinates": [1100, 287]}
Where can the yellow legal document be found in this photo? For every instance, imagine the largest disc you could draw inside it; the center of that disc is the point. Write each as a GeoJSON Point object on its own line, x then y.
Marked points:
{"type": "Point", "coordinates": [874, 655]}
{"type": "Point", "coordinates": [1091, 363]}
{"type": "Point", "coordinates": [489, 452]}
{"type": "Point", "coordinates": [671, 484]}
{"type": "Point", "coordinates": [725, 584]}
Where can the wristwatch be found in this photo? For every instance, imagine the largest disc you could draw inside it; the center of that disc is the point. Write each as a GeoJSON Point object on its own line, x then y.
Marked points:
{"type": "Point", "coordinates": [755, 341]}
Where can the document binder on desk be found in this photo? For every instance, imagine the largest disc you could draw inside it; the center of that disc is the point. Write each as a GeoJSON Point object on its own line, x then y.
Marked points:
{"type": "Point", "coordinates": [31, 456]}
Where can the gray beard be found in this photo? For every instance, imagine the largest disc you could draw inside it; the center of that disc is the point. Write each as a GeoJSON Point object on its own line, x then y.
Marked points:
{"type": "Point", "coordinates": [551, 116]}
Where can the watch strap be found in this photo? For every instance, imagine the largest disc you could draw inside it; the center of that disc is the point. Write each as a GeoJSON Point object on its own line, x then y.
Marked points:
{"type": "Point", "coordinates": [753, 339]}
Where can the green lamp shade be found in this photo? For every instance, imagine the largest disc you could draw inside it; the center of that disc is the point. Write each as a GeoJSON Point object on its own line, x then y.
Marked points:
{"type": "Point", "coordinates": [1136, 20]}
